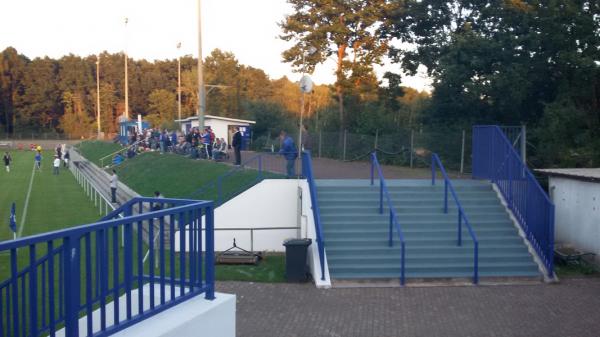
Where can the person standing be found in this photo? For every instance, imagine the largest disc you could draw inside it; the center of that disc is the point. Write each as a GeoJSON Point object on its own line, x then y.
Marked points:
{"type": "Point", "coordinates": [38, 161]}
{"type": "Point", "coordinates": [237, 146]}
{"type": "Point", "coordinates": [289, 152]}
{"type": "Point", "coordinates": [66, 159]}
{"type": "Point", "coordinates": [56, 165]}
{"type": "Point", "coordinates": [7, 160]}
{"type": "Point", "coordinates": [114, 182]}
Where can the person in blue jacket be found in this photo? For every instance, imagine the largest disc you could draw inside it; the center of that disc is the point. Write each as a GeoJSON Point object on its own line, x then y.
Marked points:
{"type": "Point", "coordinates": [289, 152]}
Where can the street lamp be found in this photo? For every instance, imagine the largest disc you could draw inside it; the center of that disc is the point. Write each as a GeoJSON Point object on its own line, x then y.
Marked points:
{"type": "Point", "coordinates": [179, 83]}
{"type": "Point", "coordinates": [126, 77]}
{"type": "Point", "coordinates": [201, 92]}
{"type": "Point", "coordinates": [306, 86]}
{"type": "Point", "coordinates": [98, 95]}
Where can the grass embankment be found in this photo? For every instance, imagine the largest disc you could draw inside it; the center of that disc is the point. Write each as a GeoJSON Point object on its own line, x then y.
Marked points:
{"type": "Point", "coordinates": [94, 150]}
{"type": "Point", "coordinates": [177, 176]}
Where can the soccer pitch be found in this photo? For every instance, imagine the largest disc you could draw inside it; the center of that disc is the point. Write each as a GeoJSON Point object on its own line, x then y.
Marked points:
{"type": "Point", "coordinates": [55, 201]}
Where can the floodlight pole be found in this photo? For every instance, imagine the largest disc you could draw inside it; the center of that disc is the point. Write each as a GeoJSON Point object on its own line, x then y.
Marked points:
{"type": "Point", "coordinates": [98, 95]}
{"type": "Point", "coordinates": [201, 92]}
{"type": "Point", "coordinates": [179, 83]}
{"type": "Point", "coordinates": [126, 77]}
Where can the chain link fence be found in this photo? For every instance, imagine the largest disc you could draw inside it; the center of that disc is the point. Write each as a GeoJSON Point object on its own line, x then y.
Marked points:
{"type": "Point", "coordinates": [405, 147]}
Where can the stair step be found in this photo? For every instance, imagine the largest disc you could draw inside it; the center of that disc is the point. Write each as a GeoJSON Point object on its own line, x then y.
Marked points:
{"type": "Point", "coordinates": [433, 274]}
{"type": "Point", "coordinates": [337, 260]}
{"type": "Point", "coordinates": [430, 241]}
{"type": "Point", "coordinates": [410, 233]}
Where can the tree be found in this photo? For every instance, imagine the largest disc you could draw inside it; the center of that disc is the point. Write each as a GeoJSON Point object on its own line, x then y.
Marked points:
{"type": "Point", "coordinates": [75, 122]}
{"type": "Point", "coordinates": [161, 107]}
{"type": "Point", "coordinates": [12, 67]}
{"type": "Point", "coordinates": [347, 29]}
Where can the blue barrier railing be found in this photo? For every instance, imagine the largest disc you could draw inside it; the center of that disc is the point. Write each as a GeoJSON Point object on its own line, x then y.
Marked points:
{"type": "Point", "coordinates": [66, 279]}
{"type": "Point", "coordinates": [495, 159]}
{"type": "Point", "coordinates": [307, 172]}
{"type": "Point", "coordinates": [462, 216]}
{"type": "Point", "coordinates": [394, 223]}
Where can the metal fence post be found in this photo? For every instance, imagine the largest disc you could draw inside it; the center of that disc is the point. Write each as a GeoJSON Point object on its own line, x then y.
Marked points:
{"type": "Point", "coordinates": [210, 254]}
{"type": "Point", "coordinates": [462, 153]}
{"type": "Point", "coordinates": [72, 285]}
{"type": "Point", "coordinates": [320, 141]}
{"type": "Point", "coordinates": [524, 144]}
{"type": "Point", "coordinates": [344, 148]}
{"type": "Point", "coordinates": [412, 147]}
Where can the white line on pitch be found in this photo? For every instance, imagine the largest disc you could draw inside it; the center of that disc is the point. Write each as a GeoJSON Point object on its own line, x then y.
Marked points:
{"type": "Point", "coordinates": [26, 202]}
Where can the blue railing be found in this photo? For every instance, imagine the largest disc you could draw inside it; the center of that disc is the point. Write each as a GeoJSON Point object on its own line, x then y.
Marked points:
{"type": "Point", "coordinates": [258, 167]}
{"type": "Point", "coordinates": [394, 223]}
{"type": "Point", "coordinates": [462, 216]}
{"type": "Point", "coordinates": [58, 277]}
{"type": "Point", "coordinates": [307, 172]}
{"type": "Point", "coordinates": [495, 158]}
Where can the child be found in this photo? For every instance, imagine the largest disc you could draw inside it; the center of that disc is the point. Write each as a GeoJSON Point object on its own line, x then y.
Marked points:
{"type": "Point", "coordinates": [56, 165]}
{"type": "Point", "coordinates": [38, 161]}
{"type": "Point", "coordinates": [7, 159]}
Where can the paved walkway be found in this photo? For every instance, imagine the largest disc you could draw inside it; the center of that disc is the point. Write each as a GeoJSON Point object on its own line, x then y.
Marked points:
{"type": "Point", "coordinates": [326, 168]}
{"type": "Point", "coordinates": [570, 308]}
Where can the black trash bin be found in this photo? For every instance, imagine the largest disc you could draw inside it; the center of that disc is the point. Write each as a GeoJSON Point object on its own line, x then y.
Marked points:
{"type": "Point", "coordinates": [296, 269]}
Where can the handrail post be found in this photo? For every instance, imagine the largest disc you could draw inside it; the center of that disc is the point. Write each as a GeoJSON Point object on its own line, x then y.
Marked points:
{"type": "Point", "coordinates": [445, 196]}
{"type": "Point", "coordinates": [476, 262]}
{"type": "Point", "coordinates": [380, 196]}
{"type": "Point", "coordinates": [391, 242]}
{"type": "Point", "coordinates": [433, 169]}
{"type": "Point", "coordinates": [459, 227]}
{"type": "Point", "coordinates": [210, 251]}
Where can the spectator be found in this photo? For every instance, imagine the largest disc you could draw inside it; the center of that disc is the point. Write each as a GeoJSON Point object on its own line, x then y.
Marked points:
{"type": "Point", "coordinates": [56, 165]}
{"type": "Point", "coordinates": [58, 152]}
{"type": "Point", "coordinates": [206, 143]}
{"type": "Point", "coordinates": [173, 140]}
{"type": "Point", "coordinates": [157, 206]}
{"type": "Point", "coordinates": [289, 152]}
{"type": "Point", "coordinates": [114, 182]}
{"type": "Point", "coordinates": [7, 160]}
{"type": "Point", "coordinates": [237, 146]}
{"type": "Point", "coordinates": [66, 159]}
{"type": "Point", "coordinates": [162, 138]}
{"type": "Point", "coordinates": [118, 159]}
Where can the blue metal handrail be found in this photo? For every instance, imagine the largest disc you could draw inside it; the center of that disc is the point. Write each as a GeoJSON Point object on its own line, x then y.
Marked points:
{"type": "Point", "coordinates": [495, 158]}
{"type": "Point", "coordinates": [70, 273]}
{"type": "Point", "coordinates": [394, 223]}
{"type": "Point", "coordinates": [307, 172]}
{"type": "Point", "coordinates": [435, 161]}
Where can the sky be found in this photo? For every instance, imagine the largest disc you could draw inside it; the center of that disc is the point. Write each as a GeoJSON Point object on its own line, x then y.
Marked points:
{"type": "Point", "coordinates": [248, 28]}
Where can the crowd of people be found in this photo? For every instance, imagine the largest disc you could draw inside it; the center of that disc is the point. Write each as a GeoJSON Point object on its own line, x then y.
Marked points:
{"type": "Point", "coordinates": [196, 144]}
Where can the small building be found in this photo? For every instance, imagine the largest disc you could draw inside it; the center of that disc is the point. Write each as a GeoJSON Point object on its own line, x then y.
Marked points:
{"type": "Point", "coordinates": [223, 127]}
{"type": "Point", "coordinates": [576, 196]}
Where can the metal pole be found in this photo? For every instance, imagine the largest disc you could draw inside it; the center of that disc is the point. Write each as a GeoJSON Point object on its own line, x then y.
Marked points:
{"type": "Point", "coordinates": [98, 94]}
{"type": "Point", "coordinates": [344, 149]}
{"type": "Point", "coordinates": [412, 146]}
{"type": "Point", "coordinates": [376, 139]}
{"type": "Point", "coordinates": [179, 83]}
{"type": "Point", "coordinates": [320, 142]}
{"type": "Point", "coordinates": [524, 144]}
{"type": "Point", "coordinates": [462, 153]}
{"type": "Point", "coordinates": [201, 91]}
{"type": "Point", "coordinates": [126, 77]}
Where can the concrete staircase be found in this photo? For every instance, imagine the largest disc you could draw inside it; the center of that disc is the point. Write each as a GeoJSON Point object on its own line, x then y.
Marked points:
{"type": "Point", "coordinates": [356, 234]}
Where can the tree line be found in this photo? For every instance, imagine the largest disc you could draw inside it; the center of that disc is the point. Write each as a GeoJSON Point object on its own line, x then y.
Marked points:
{"type": "Point", "coordinates": [535, 62]}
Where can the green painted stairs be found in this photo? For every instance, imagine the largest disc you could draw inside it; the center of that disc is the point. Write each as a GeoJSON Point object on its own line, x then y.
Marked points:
{"type": "Point", "coordinates": [355, 234]}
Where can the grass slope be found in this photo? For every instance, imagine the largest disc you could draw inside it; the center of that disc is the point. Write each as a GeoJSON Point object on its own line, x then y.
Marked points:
{"type": "Point", "coordinates": [176, 176]}
{"type": "Point", "coordinates": [93, 150]}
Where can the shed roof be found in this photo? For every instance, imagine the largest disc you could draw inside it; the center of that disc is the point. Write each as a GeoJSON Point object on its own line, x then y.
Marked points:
{"type": "Point", "coordinates": [585, 174]}
{"type": "Point", "coordinates": [234, 120]}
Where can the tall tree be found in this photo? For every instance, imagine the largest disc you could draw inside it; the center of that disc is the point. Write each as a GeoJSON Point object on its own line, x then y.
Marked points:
{"type": "Point", "coordinates": [345, 29]}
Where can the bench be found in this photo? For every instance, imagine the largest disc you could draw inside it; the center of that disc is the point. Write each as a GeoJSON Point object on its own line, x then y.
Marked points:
{"type": "Point", "coordinates": [5, 144]}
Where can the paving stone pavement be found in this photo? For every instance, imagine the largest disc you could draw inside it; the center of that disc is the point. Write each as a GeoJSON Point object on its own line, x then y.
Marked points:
{"type": "Point", "coordinates": [570, 308]}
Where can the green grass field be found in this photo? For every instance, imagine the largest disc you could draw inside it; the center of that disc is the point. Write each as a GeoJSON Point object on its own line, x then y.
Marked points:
{"type": "Point", "coordinates": [55, 202]}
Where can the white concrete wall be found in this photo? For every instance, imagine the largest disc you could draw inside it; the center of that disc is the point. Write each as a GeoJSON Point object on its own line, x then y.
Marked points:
{"type": "Point", "coordinates": [214, 318]}
{"type": "Point", "coordinates": [577, 214]}
{"type": "Point", "coordinates": [271, 203]}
